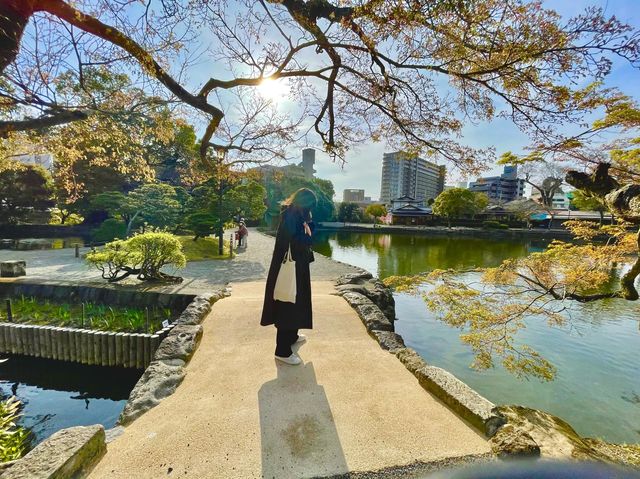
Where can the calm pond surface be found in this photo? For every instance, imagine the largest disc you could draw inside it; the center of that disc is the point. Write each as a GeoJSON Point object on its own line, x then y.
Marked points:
{"type": "Point", "coordinates": [28, 244]}
{"type": "Point", "coordinates": [57, 394]}
{"type": "Point", "coordinates": [597, 386]}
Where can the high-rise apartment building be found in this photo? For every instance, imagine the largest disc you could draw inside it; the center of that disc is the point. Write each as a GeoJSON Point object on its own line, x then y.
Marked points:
{"type": "Point", "coordinates": [403, 175]}
{"type": "Point", "coordinates": [504, 188]}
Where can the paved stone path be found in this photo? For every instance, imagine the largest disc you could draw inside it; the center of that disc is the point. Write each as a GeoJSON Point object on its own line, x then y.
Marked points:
{"type": "Point", "coordinates": [238, 414]}
{"type": "Point", "coordinates": [250, 264]}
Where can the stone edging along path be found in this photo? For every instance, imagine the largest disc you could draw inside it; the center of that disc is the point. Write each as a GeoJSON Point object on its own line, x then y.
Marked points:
{"type": "Point", "coordinates": [166, 371]}
{"type": "Point", "coordinates": [72, 452]}
{"type": "Point", "coordinates": [512, 430]}
{"type": "Point", "coordinates": [466, 402]}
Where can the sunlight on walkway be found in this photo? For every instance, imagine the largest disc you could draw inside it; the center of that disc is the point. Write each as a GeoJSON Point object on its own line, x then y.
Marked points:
{"type": "Point", "coordinates": [350, 407]}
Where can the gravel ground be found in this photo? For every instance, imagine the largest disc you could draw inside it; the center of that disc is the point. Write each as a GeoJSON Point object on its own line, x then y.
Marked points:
{"type": "Point", "coordinates": [250, 264]}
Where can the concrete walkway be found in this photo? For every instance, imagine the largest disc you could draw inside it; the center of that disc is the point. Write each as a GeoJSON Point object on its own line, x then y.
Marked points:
{"type": "Point", "coordinates": [238, 414]}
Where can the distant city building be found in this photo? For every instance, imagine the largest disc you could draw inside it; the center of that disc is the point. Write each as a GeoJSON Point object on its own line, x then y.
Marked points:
{"type": "Point", "coordinates": [353, 196]}
{"type": "Point", "coordinates": [308, 161]}
{"type": "Point", "coordinates": [303, 169]}
{"type": "Point", "coordinates": [403, 175]}
{"type": "Point", "coordinates": [45, 160]}
{"type": "Point", "coordinates": [268, 172]}
{"type": "Point", "coordinates": [459, 184]}
{"type": "Point", "coordinates": [560, 198]}
{"type": "Point", "coordinates": [504, 188]}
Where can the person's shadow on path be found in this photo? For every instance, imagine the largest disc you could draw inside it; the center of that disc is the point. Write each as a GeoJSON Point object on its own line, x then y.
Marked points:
{"type": "Point", "coordinates": [298, 433]}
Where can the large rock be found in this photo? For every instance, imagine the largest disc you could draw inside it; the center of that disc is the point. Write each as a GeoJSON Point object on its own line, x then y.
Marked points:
{"type": "Point", "coordinates": [353, 277]}
{"type": "Point", "coordinates": [69, 453]}
{"type": "Point", "coordinates": [372, 288]}
{"type": "Point", "coordinates": [158, 381]}
{"type": "Point", "coordinates": [369, 313]}
{"type": "Point", "coordinates": [199, 308]}
{"type": "Point", "coordinates": [373, 318]}
{"type": "Point", "coordinates": [557, 439]}
{"type": "Point", "coordinates": [411, 359]}
{"type": "Point", "coordinates": [181, 342]}
{"type": "Point", "coordinates": [511, 441]}
{"type": "Point", "coordinates": [389, 340]}
{"type": "Point", "coordinates": [355, 299]}
{"type": "Point", "coordinates": [13, 269]}
{"type": "Point", "coordinates": [467, 402]}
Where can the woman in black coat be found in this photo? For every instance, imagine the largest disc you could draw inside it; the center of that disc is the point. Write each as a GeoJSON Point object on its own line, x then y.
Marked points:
{"type": "Point", "coordinates": [295, 230]}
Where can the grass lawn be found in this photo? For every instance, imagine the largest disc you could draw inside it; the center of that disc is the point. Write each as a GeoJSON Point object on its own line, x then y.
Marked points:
{"type": "Point", "coordinates": [203, 248]}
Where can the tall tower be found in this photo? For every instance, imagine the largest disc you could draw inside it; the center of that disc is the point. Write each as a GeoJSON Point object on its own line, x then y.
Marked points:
{"type": "Point", "coordinates": [308, 160]}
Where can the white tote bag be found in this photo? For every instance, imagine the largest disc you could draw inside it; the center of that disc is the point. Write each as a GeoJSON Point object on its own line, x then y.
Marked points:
{"type": "Point", "coordinates": [285, 289]}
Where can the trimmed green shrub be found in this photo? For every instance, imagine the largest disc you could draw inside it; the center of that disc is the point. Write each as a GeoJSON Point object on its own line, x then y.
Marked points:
{"type": "Point", "coordinates": [143, 255]}
{"type": "Point", "coordinates": [495, 225]}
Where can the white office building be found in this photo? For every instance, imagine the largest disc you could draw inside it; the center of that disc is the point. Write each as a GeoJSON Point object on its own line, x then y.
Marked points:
{"type": "Point", "coordinates": [404, 175]}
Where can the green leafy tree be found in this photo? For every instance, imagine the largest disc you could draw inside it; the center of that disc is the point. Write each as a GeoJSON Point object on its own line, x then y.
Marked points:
{"type": "Point", "coordinates": [24, 190]}
{"type": "Point", "coordinates": [109, 230]}
{"type": "Point", "coordinates": [349, 213]}
{"type": "Point", "coordinates": [64, 217]}
{"type": "Point", "coordinates": [133, 139]}
{"type": "Point", "coordinates": [112, 203]}
{"type": "Point", "coordinates": [210, 209]}
{"type": "Point", "coordinates": [584, 201]}
{"type": "Point", "coordinates": [523, 208]}
{"type": "Point", "coordinates": [155, 205]}
{"type": "Point", "coordinates": [376, 211]}
{"type": "Point", "coordinates": [280, 184]}
{"type": "Point", "coordinates": [458, 202]}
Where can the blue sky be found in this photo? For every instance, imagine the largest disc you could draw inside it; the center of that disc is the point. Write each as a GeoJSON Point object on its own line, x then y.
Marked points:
{"type": "Point", "coordinates": [359, 171]}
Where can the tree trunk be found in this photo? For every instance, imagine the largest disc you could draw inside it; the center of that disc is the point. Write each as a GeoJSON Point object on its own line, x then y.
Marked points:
{"type": "Point", "coordinates": [130, 224]}
{"type": "Point", "coordinates": [627, 282]}
{"type": "Point", "coordinates": [14, 16]}
{"type": "Point", "coordinates": [220, 220]}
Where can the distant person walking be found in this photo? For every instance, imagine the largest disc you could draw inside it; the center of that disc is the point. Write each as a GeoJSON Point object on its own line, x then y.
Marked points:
{"type": "Point", "coordinates": [294, 231]}
{"type": "Point", "coordinates": [243, 232]}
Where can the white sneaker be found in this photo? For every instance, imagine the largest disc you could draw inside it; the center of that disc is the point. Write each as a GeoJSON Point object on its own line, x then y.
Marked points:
{"type": "Point", "coordinates": [294, 359]}
{"type": "Point", "coordinates": [301, 339]}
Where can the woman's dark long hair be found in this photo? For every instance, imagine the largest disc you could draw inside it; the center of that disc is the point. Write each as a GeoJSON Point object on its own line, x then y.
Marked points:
{"type": "Point", "coordinates": [302, 201]}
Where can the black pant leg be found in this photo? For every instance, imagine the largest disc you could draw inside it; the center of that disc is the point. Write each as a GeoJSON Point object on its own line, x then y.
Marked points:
{"type": "Point", "coordinates": [283, 342]}
{"type": "Point", "coordinates": [285, 338]}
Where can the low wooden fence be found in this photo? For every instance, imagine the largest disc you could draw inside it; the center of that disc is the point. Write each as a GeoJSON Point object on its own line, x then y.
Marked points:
{"type": "Point", "coordinates": [100, 348]}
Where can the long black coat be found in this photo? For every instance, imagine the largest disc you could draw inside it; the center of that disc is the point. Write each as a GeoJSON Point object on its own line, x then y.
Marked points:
{"type": "Point", "coordinates": [290, 315]}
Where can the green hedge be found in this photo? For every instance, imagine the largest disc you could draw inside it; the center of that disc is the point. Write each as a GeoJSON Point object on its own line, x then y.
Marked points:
{"type": "Point", "coordinates": [494, 225]}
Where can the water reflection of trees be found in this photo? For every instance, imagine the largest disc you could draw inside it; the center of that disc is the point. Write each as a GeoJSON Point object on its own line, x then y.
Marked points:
{"type": "Point", "coordinates": [400, 254]}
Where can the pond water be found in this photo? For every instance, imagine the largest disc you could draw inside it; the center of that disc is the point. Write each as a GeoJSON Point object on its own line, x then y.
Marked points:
{"type": "Point", "coordinates": [597, 386]}
{"type": "Point", "coordinates": [27, 244]}
{"type": "Point", "coordinates": [57, 394]}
